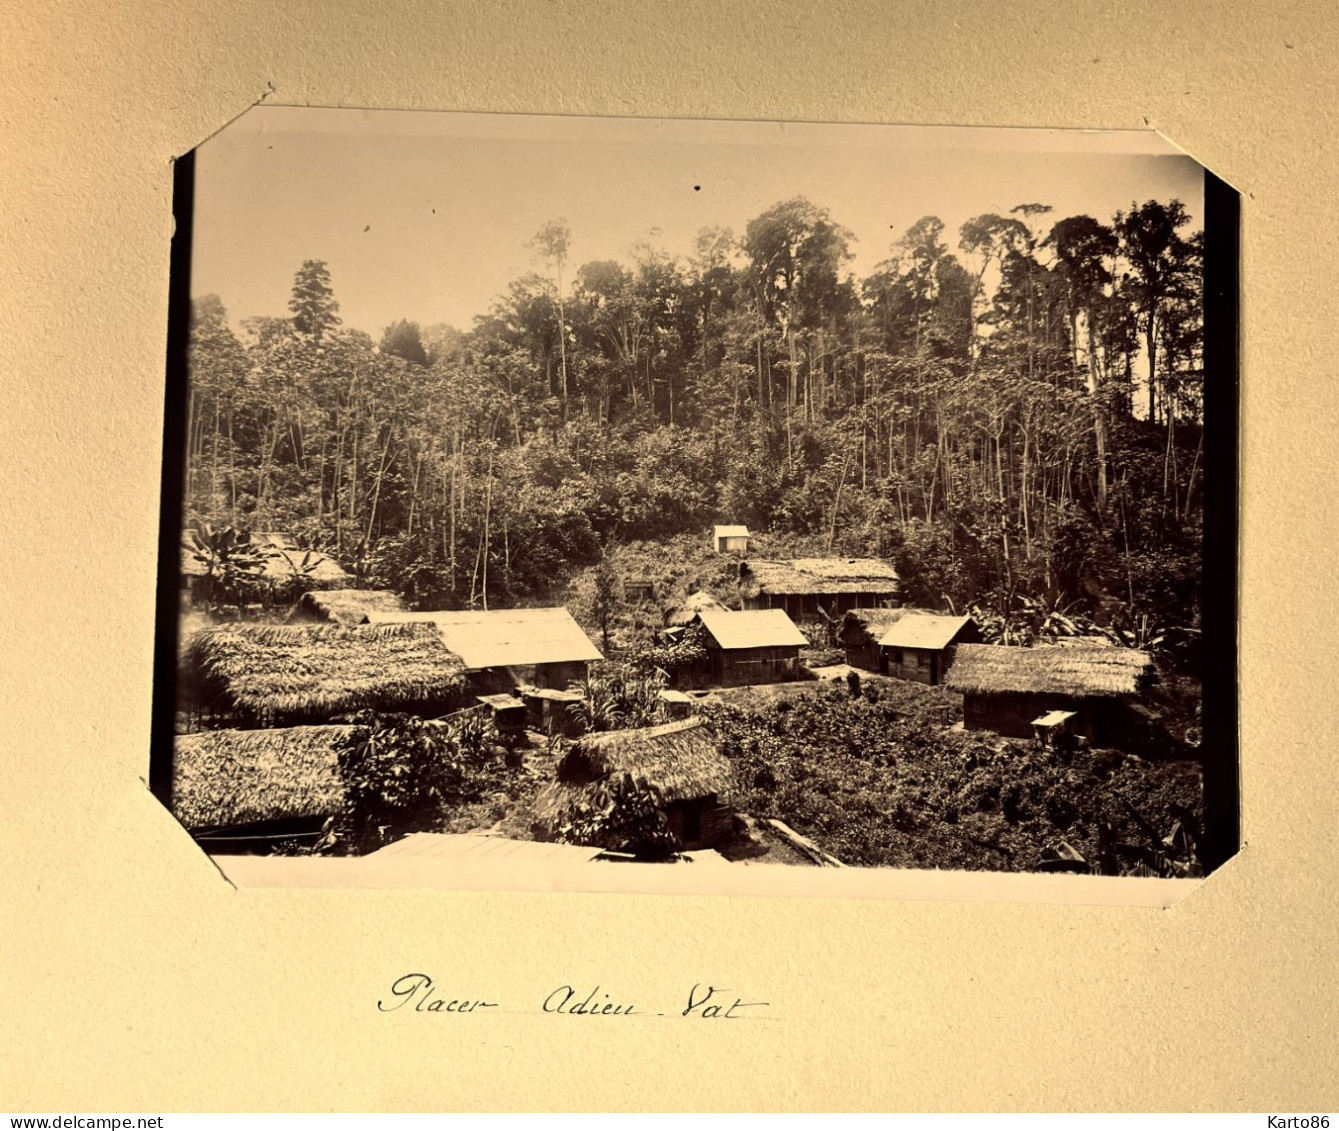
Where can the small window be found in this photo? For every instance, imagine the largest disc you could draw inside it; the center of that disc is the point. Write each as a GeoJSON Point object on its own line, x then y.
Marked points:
{"type": "Point", "coordinates": [911, 660]}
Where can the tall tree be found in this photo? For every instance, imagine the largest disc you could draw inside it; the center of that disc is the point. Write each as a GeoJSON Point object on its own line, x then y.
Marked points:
{"type": "Point", "coordinates": [1083, 247]}
{"type": "Point", "coordinates": [1152, 246]}
{"type": "Point", "coordinates": [315, 311]}
{"type": "Point", "coordinates": [551, 242]}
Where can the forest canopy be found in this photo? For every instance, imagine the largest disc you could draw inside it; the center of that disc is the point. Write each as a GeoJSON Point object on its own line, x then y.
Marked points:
{"type": "Point", "coordinates": [1011, 413]}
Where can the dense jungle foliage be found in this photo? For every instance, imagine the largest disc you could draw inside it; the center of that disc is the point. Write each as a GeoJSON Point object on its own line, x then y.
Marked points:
{"type": "Point", "coordinates": [877, 782]}
{"type": "Point", "coordinates": [1014, 421]}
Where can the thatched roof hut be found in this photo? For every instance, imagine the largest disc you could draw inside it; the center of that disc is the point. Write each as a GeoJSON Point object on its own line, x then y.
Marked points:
{"type": "Point", "coordinates": [344, 606]}
{"type": "Point", "coordinates": [264, 673]}
{"type": "Point", "coordinates": [1082, 672]}
{"type": "Point", "coordinates": [1011, 690]}
{"type": "Point", "coordinates": [680, 760]}
{"type": "Point", "coordinates": [679, 614]}
{"type": "Point", "coordinates": [226, 778]}
{"type": "Point", "coordinates": [824, 576]}
{"type": "Point", "coordinates": [806, 587]}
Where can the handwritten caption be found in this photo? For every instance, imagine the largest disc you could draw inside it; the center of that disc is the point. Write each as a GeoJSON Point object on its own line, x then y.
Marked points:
{"type": "Point", "coordinates": [418, 993]}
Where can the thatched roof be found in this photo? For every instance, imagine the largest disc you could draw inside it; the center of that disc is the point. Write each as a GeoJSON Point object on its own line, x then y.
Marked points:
{"type": "Point", "coordinates": [757, 628]}
{"type": "Point", "coordinates": [1080, 672]}
{"type": "Point", "coordinates": [502, 638]}
{"type": "Point", "coordinates": [681, 760]}
{"type": "Point", "coordinates": [867, 626]}
{"type": "Point", "coordinates": [817, 576]}
{"type": "Point", "coordinates": [317, 670]}
{"type": "Point", "coordinates": [344, 606]}
{"type": "Point", "coordinates": [222, 778]}
{"type": "Point", "coordinates": [681, 613]}
{"type": "Point", "coordinates": [284, 560]}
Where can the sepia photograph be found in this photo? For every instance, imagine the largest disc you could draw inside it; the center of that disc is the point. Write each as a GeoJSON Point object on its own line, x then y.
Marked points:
{"type": "Point", "coordinates": [548, 493]}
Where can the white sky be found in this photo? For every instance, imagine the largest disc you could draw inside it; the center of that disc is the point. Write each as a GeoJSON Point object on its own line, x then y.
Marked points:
{"type": "Point", "coordinates": [425, 215]}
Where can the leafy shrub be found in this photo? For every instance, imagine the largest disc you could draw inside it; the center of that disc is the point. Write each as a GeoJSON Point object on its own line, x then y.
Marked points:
{"type": "Point", "coordinates": [407, 773]}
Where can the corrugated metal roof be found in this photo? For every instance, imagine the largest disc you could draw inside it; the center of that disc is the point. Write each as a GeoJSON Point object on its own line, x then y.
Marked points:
{"type": "Point", "coordinates": [731, 531]}
{"type": "Point", "coordinates": [756, 628]}
{"type": "Point", "coordinates": [502, 638]}
{"type": "Point", "coordinates": [1052, 718]}
{"type": "Point", "coordinates": [471, 848]}
{"type": "Point", "coordinates": [923, 630]}
{"type": "Point", "coordinates": [501, 701]}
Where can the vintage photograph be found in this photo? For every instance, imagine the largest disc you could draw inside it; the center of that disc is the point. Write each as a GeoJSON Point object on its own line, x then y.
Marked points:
{"type": "Point", "coordinates": [558, 492]}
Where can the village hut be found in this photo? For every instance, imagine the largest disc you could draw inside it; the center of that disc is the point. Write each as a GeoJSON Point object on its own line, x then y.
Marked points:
{"type": "Point", "coordinates": [680, 614]}
{"type": "Point", "coordinates": [761, 646]}
{"type": "Point", "coordinates": [243, 790]}
{"type": "Point", "coordinates": [285, 565]}
{"type": "Point", "coordinates": [916, 646]}
{"type": "Point", "coordinates": [679, 761]}
{"type": "Point", "coordinates": [344, 606]}
{"type": "Point", "coordinates": [730, 539]}
{"type": "Point", "coordinates": [275, 675]}
{"type": "Point", "coordinates": [1012, 690]}
{"type": "Point", "coordinates": [860, 634]}
{"type": "Point", "coordinates": [809, 587]}
{"type": "Point", "coordinates": [503, 649]}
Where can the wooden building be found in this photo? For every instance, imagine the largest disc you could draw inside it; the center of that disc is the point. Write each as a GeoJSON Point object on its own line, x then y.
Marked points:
{"type": "Point", "coordinates": [730, 539]}
{"type": "Point", "coordinates": [761, 646]}
{"type": "Point", "coordinates": [507, 712]}
{"type": "Point", "coordinates": [861, 634]}
{"type": "Point", "coordinates": [1010, 690]}
{"type": "Point", "coordinates": [639, 589]}
{"type": "Point", "coordinates": [245, 790]}
{"type": "Point", "coordinates": [918, 646]}
{"type": "Point", "coordinates": [262, 675]}
{"type": "Point", "coordinates": [906, 643]}
{"type": "Point", "coordinates": [808, 587]}
{"type": "Point", "coordinates": [504, 649]}
{"type": "Point", "coordinates": [550, 711]}
{"type": "Point", "coordinates": [680, 761]}
{"type": "Point", "coordinates": [344, 606]}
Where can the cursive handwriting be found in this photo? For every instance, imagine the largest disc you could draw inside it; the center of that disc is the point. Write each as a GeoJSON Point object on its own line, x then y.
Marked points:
{"type": "Point", "coordinates": [418, 993]}
{"type": "Point", "coordinates": [409, 986]}
{"type": "Point", "coordinates": [560, 1001]}
{"type": "Point", "coordinates": [700, 1004]}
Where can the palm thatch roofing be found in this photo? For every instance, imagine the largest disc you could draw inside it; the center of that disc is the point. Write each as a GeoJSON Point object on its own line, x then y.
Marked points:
{"type": "Point", "coordinates": [756, 628]}
{"type": "Point", "coordinates": [319, 670]}
{"type": "Point", "coordinates": [1079, 672]}
{"type": "Point", "coordinates": [284, 560]}
{"type": "Point", "coordinates": [817, 577]}
{"type": "Point", "coordinates": [502, 638]}
{"type": "Point", "coordinates": [680, 760]}
{"type": "Point", "coordinates": [344, 606]}
{"type": "Point", "coordinates": [679, 614]}
{"type": "Point", "coordinates": [224, 778]}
